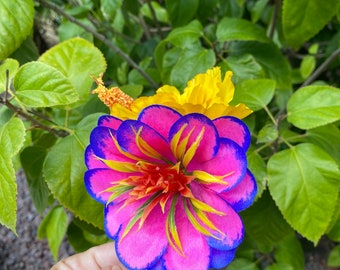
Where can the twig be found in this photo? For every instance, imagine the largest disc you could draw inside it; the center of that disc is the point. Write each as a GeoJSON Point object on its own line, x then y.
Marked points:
{"type": "Point", "coordinates": [154, 17]}
{"type": "Point", "coordinates": [101, 38]}
{"type": "Point", "coordinates": [321, 68]}
{"type": "Point", "coordinates": [277, 7]}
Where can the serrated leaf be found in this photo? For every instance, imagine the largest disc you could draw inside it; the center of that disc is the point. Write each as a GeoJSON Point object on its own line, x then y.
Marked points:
{"type": "Point", "coordinates": [290, 251]}
{"type": "Point", "coordinates": [298, 19]}
{"type": "Point", "coordinates": [64, 170]}
{"type": "Point", "coordinates": [77, 59]}
{"type": "Point", "coordinates": [256, 94]}
{"type": "Point", "coordinates": [12, 137]}
{"type": "Point", "coordinates": [269, 57]}
{"type": "Point", "coordinates": [239, 29]}
{"type": "Point", "coordinates": [305, 189]}
{"type": "Point", "coordinates": [314, 106]}
{"type": "Point", "coordinates": [54, 227]}
{"type": "Point", "coordinates": [270, 232]}
{"type": "Point", "coordinates": [16, 24]}
{"type": "Point", "coordinates": [40, 85]}
{"type": "Point", "coordinates": [12, 66]}
{"type": "Point", "coordinates": [32, 159]}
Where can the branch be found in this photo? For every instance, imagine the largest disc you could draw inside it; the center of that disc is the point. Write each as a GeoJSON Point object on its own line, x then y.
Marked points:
{"type": "Point", "coordinates": [277, 7]}
{"type": "Point", "coordinates": [101, 38]}
{"type": "Point", "coordinates": [321, 68]}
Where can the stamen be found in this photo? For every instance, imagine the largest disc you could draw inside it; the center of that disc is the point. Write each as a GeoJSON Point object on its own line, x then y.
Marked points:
{"type": "Point", "coordinates": [111, 96]}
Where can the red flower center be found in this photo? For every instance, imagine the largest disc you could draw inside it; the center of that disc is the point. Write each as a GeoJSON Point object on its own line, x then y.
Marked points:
{"type": "Point", "coordinates": [162, 179]}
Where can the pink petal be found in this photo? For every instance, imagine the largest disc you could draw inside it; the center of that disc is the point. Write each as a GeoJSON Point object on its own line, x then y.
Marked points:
{"type": "Point", "coordinates": [194, 245]}
{"type": "Point", "coordinates": [126, 137]}
{"type": "Point", "coordinates": [234, 129]}
{"type": "Point", "coordinates": [221, 258]}
{"type": "Point", "coordinates": [230, 223]}
{"type": "Point", "coordinates": [109, 121]}
{"type": "Point", "coordinates": [242, 196]}
{"type": "Point", "coordinates": [98, 180]}
{"type": "Point", "coordinates": [91, 160]}
{"type": "Point", "coordinates": [160, 118]}
{"type": "Point", "coordinates": [196, 123]}
{"type": "Point", "coordinates": [142, 248]}
{"type": "Point", "coordinates": [103, 145]}
{"type": "Point", "coordinates": [230, 161]}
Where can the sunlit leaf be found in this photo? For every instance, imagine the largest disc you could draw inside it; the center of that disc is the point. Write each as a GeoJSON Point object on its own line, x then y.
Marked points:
{"type": "Point", "coordinates": [40, 85]}
{"type": "Point", "coordinates": [12, 136]}
{"type": "Point", "coordinates": [64, 171]}
{"type": "Point", "coordinates": [12, 66]}
{"type": "Point", "coordinates": [314, 106]}
{"type": "Point", "coordinates": [299, 178]}
{"type": "Point", "coordinates": [15, 25]}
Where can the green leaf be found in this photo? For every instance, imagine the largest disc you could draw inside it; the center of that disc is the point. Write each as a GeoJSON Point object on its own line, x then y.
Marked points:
{"type": "Point", "coordinates": [12, 137]}
{"type": "Point", "coordinates": [54, 227]}
{"type": "Point", "coordinates": [334, 232]}
{"type": "Point", "coordinates": [304, 182]}
{"type": "Point", "coordinates": [279, 266]}
{"type": "Point", "coordinates": [269, 57]}
{"type": "Point", "coordinates": [12, 66]}
{"type": "Point", "coordinates": [186, 36]}
{"type": "Point", "coordinates": [40, 85]}
{"type": "Point", "coordinates": [109, 8]}
{"type": "Point", "coordinates": [244, 67]}
{"type": "Point", "coordinates": [257, 166]}
{"type": "Point", "coordinates": [68, 30]}
{"type": "Point", "coordinates": [160, 12]}
{"type": "Point", "coordinates": [258, 10]}
{"type": "Point", "coordinates": [27, 51]}
{"type": "Point", "coordinates": [327, 138]}
{"type": "Point", "coordinates": [182, 11]}
{"type": "Point", "coordinates": [256, 94]}
{"type": "Point", "coordinates": [298, 19]}
{"type": "Point", "coordinates": [290, 251]}
{"type": "Point", "coordinates": [334, 257]}
{"type": "Point", "coordinates": [32, 159]}
{"type": "Point", "coordinates": [64, 170]}
{"type": "Point", "coordinates": [314, 106]}
{"type": "Point", "coordinates": [182, 65]}
{"type": "Point", "coordinates": [307, 66]}
{"type": "Point", "coordinates": [78, 60]}
{"type": "Point", "coordinates": [132, 90]}
{"type": "Point", "coordinates": [268, 133]}
{"type": "Point", "coordinates": [16, 23]}
{"type": "Point", "coordinates": [239, 29]}
{"type": "Point", "coordinates": [244, 264]}
{"type": "Point", "coordinates": [273, 230]}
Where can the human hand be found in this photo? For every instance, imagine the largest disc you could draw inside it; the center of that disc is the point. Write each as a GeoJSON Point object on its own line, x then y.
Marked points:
{"type": "Point", "coordinates": [101, 257]}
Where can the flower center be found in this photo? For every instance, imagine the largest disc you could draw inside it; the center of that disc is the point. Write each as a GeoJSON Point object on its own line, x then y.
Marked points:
{"type": "Point", "coordinates": [160, 179]}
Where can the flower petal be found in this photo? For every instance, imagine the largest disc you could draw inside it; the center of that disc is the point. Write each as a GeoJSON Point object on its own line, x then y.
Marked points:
{"type": "Point", "coordinates": [229, 162]}
{"type": "Point", "coordinates": [103, 145]}
{"type": "Point", "coordinates": [194, 245]}
{"type": "Point", "coordinates": [242, 196]}
{"type": "Point", "coordinates": [160, 118]}
{"type": "Point", "coordinates": [143, 247]}
{"type": "Point", "coordinates": [98, 180]}
{"type": "Point", "coordinates": [91, 159]}
{"type": "Point", "coordinates": [109, 121]}
{"type": "Point", "coordinates": [143, 142]}
{"type": "Point", "coordinates": [221, 258]}
{"type": "Point", "coordinates": [234, 129]}
{"type": "Point", "coordinates": [230, 223]}
{"type": "Point", "coordinates": [193, 125]}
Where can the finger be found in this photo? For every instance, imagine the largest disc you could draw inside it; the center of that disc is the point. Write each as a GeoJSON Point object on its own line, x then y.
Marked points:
{"type": "Point", "coordinates": [96, 258]}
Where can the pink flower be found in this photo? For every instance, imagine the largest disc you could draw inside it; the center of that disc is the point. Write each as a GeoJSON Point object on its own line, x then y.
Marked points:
{"type": "Point", "coordinates": [172, 186]}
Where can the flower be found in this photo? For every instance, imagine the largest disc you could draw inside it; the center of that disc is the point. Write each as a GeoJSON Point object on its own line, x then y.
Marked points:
{"type": "Point", "coordinates": [172, 184]}
{"type": "Point", "coordinates": [206, 93]}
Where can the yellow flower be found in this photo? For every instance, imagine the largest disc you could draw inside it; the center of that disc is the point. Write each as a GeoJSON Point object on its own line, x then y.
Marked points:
{"type": "Point", "coordinates": [205, 93]}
